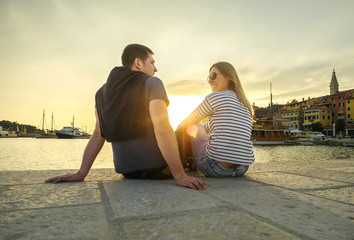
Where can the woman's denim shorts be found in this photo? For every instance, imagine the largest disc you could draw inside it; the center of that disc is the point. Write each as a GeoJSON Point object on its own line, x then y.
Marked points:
{"type": "Point", "coordinates": [208, 166]}
{"type": "Point", "coordinates": [212, 168]}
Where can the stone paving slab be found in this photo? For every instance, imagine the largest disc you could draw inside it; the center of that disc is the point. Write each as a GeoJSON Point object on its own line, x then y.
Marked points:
{"type": "Point", "coordinates": [283, 210]}
{"type": "Point", "coordinates": [48, 195]}
{"type": "Point", "coordinates": [343, 169]}
{"type": "Point", "coordinates": [302, 165]}
{"type": "Point", "coordinates": [73, 222]}
{"type": "Point", "coordinates": [35, 177]}
{"type": "Point", "coordinates": [332, 206]}
{"type": "Point", "coordinates": [293, 181]}
{"type": "Point", "coordinates": [274, 200]}
{"type": "Point", "coordinates": [326, 173]}
{"type": "Point", "coordinates": [345, 195]}
{"type": "Point", "coordinates": [132, 198]}
{"type": "Point", "coordinates": [229, 183]}
{"type": "Point", "coordinates": [215, 225]}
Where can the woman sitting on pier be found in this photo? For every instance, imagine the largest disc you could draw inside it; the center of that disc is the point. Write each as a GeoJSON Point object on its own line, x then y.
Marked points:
{"type": "Point", "coordinates": [221, 146]}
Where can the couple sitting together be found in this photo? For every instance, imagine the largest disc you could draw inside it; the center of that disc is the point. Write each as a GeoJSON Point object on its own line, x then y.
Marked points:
{"type": "Point", "coordinates": [131, 113]}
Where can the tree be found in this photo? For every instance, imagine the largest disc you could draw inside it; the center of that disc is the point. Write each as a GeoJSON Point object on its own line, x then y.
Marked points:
{"type": "Point", "coordinates": [317, 127]}
{"type": "Point", "coordinates": [340, 123]}
{"type": "Point", "coordinates": [12, 126]}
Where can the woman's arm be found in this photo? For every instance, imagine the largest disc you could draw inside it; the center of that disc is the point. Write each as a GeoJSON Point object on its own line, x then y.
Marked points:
{"type": "Point", "coordinates": [203, 111]}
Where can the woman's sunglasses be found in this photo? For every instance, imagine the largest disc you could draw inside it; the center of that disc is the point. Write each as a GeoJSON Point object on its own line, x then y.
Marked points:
{"type": "Point", "coordinates": [212, 76]}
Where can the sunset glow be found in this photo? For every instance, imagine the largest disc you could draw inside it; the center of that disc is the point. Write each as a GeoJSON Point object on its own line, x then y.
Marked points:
{"type": "Point", "coordinates": [180, 107]}
{"type": "Point", "coordinates": [55, 54]}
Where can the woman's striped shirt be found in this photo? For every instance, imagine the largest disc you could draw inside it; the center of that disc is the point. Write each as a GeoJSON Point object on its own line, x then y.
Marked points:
{"type": "Point", "coordinates": [229, 127]}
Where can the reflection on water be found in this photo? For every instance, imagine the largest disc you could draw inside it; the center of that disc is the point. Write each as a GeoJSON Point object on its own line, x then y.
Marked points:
{"type": "Point", "coordinates": [54, 154]}
{"type": "Point", "coordinates": [301, 153]}
{"type": "Point", "coordinates": [48, 154]}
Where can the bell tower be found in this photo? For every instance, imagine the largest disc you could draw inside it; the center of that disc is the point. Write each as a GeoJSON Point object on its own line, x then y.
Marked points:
{"type": "Point", "coordinates": [334, 84]}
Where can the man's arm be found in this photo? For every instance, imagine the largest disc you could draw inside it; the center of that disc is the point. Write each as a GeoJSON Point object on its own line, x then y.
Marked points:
{"type": "Point", "coordinates": [167, 143]}
{"type": "Point", "coordinates": [92, 149]}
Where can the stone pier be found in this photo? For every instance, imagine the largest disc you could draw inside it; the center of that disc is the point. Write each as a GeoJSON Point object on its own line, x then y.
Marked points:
{"type": "Point", "coordinates": [290, 200]}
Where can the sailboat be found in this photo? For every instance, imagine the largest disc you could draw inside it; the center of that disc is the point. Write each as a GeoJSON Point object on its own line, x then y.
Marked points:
{"type": "Point", "coordinates": [266, 131]}
{"type": "Point", "coordinates": [46, 133]}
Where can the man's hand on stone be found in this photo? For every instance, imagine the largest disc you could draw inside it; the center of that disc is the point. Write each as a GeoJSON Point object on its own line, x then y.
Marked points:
{"type": "Point", "coordinates": [73, 177]}
{"type": "Point", "coordinates": [190, 182]}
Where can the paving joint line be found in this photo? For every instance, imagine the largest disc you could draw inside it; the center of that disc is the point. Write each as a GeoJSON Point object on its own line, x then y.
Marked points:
{"type": "Point", "coordinates": [321, 178]}
{"type": "Point", "coordinates": [234, 207]}
{"type": "Point", "coordinates": [117, 231]}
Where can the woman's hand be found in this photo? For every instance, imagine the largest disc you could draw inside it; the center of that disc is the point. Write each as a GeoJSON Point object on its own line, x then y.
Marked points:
{"type": "Point", "coordinates": [73, 177]}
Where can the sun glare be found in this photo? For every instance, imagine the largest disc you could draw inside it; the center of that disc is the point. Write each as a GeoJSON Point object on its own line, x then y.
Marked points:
{"type": "Point", "coordinates": [180, 107]}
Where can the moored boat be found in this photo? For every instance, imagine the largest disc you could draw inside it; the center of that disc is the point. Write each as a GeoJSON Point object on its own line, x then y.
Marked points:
{"type": "Point", "coordinates": [271, 137]}
{"type": "Point", "coordinates": [267, 131]}
{"type": "Point", "coordinates": [264, 132]}
{"type": "Point", "coordinates": [67, 132]}
{"type": "Point", "coordinates": [46, 133]}
{"type": "Point", "coordinates": [7, 133]}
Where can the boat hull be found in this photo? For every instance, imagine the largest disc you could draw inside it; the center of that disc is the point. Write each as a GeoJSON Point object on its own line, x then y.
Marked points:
{"type": "Point", "coordinates": [272, 143]}
{"type": "Point", "coordinates": [45, 135]}
{"type": "Point", "coordinates": [64, 135]}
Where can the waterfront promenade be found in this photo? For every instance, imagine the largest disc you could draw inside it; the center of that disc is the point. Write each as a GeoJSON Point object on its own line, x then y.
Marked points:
{"type": "Point", "coordinates": [275, 200]}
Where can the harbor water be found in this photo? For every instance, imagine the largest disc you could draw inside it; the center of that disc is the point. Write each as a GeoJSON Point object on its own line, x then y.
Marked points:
{"type": "Point", "coordinates": [21, 154]}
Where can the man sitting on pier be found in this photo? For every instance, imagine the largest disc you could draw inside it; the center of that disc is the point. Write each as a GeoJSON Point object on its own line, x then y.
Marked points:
{"type": "Point", "coordinates": [131, 112]}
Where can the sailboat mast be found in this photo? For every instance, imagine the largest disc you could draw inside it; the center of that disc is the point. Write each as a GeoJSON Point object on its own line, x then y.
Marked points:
{"type": "Point", "coordinates": [51, 127]}
{"type": "Point", "coordinates": [271, 100]}
{"type": "Point", "coordinates": [43, 120]}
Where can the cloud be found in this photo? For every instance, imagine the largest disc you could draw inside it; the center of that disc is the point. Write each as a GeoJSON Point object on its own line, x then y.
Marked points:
{"type": "Point", "coordinates": [187, 88]}
{"type": "Point", "coordinates": [293, 82]}
{"type": "Point", "coordinates": [76, 43]}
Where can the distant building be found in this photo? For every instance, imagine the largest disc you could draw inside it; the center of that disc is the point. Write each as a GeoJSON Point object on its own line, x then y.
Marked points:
{"type": "Point", "coordinates": [294, 104]}
{"type": "Point", "coordinates": [322, 114]}
{"type": "Point", "coordinates": [349, 128]}
{"type": "Point", "coordinates": [338, 102]}
{"type": "Point", "coordinates": [334, 87]}
{"type": "Point", "coordinates": [268, 111]}
{"type": "Point", "coordinates": [325, 109]}
{"type": "Point", "coordinates": [293, 119]}
{"type": "Point", "coordinates": [350, 110]}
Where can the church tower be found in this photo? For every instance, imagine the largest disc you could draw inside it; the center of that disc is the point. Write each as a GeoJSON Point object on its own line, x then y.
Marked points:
{"type": "Point", "coordinates": [334, 84]}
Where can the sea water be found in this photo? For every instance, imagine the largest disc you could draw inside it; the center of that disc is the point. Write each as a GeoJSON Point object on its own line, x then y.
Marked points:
{"type": "Point", "coordinates": [18, 154]}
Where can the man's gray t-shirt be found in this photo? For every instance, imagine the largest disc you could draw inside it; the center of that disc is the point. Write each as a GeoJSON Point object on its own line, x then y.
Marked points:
{"type": "Point", "coordinates": [143, 153]}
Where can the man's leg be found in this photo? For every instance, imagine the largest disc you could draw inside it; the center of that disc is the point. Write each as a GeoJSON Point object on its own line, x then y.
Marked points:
{"type": "Point", "coordinates": [156, 173]}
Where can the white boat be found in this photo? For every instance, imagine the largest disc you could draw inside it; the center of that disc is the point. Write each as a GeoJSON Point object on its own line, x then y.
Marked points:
{"type": "Point", "coordinates": [68, 132]}
{"type": "Point", "coordinates": [7, 134]}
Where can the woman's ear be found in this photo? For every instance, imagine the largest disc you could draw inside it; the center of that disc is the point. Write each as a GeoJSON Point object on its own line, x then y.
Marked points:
{"type": "Point", "coordinates": [231, 85]}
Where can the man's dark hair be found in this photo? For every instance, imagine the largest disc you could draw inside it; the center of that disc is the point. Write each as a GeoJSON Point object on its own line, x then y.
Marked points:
{"type": "Point", "coordinates": [133, 51]}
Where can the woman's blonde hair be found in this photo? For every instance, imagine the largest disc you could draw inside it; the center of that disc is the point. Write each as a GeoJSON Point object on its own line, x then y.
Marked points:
{"type": "Point", "coordinates": [229, 71]}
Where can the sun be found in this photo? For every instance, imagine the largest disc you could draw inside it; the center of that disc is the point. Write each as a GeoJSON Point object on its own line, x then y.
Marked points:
{"type": "Point", "coordinates": [180, 107]}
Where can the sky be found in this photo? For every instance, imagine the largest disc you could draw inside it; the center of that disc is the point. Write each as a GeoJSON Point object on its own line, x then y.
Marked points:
{"type": "Point", "coordinates": [54, 55]}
